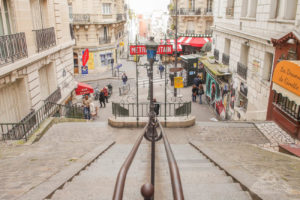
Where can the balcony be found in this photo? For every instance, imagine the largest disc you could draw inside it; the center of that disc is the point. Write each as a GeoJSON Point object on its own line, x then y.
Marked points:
{"type": "Point", "coordinates": [208, 11]}
{"type": "Point", "coordinates": [188, 12]}
{"type": "Point", "coordinates": [12, 47]}
{"type": "Point", "coordinates": [190, 32]}
{"type": "Point", "coordinates": [216, 54]}
{"type": "Point", "coordinates": [121, 17]}
{"type": "Point", "coordinates": [105, 40]}
{"type": "Point", "coordinates": [242, 70]}
{"type": "Point", "coordinates": [229, 11]}
{"type": "Point", "coordinates": [81, 18]}
{"type": "Point", "coordinates": [45, 38]}
{"type": "Point", "coordinates": [225, 59]}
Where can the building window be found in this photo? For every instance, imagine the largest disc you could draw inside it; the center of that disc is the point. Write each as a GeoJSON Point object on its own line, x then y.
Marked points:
{"type": "Point", "coordinates": [267, 69]}
{"type": "Point", "coordinates": [227, 46]}
{"type": "Point", "coordinates": [106, 8]}
{"type": "Point", "coordinates": [244, 54]}
{"type": "Point", "coordinates": [249, 8]}
{"type": "Point", "coordinates": [105, 35]}
{"type": "Point", "coordinates": [5, 23]}
{"type": "Point", "coordinates": [103, 59]}
{"type": "Point", "coordinates": [192, 4]}
{"type": "Point", "coordinates": [283, 9]}
{"type": "Point", "coordinates": [230, 8]}
{"type": "Point", "coordinates": [70, 12]}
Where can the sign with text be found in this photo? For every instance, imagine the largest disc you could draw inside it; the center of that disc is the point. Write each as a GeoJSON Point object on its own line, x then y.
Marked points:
{"type": "Point", "coordinates": [177, 69]}
{"type": "Point", "coordinates": [178, 82]}
{"type": "Point", "coordinates": [141, 49]}
{"type": "Point", "coordinates": [287, 75]}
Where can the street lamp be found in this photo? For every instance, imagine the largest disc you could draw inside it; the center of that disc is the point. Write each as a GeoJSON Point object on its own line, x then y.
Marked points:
{"type": "Point", "coordinates": [151, 47]}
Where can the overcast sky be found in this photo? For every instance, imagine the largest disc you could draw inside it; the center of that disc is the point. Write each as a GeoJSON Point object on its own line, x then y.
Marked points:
{"type": "Point", "coordinates": [147, 6]}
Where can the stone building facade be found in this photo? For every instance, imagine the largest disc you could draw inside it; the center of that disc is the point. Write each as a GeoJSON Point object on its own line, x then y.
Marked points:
{"type": "Point", "coordinates": [242, 32]}
{"type": "Point", "coordinates": [194, 16]}
{"type": "Point", "coordinates": [36, 56]}
{"type": "Point", "coordinates": [100, 27]}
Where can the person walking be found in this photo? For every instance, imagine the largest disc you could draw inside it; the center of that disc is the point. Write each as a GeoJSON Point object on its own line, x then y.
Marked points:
{"type": "Point", "coordinates": [102, 98]}
{"type": "Point", "coordinates": [161, 70]}
{"type": "Point", "coordinates": [86, 103]}
{"type": "Point", "coordinates": [105, 94]}
{"type": "Point", "coordinates": [196, 81]}
{"type": "Point", "coordinates": [201, 92]}
{"type": "Point", "coordinates": [124, 79]}
{"type": "Point", "coordinates": [194, 92]}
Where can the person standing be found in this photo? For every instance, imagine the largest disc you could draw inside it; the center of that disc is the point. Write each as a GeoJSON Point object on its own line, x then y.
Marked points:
{"type": "Point", "coordinates": [194, 92]}
{"type": "Point", "coordinates": [124, 79]}
{"type": "Point", "coordinates": [201, 92]}
{"type": "Point", "coordinates": [102, 98]}
{"type": "Point", "coordinates": [161, 70]}
{"type": "Point", "coordinates": [105, 94]}
{"type": "Point", "coordinates": [156, 107]}
{"type": "Point", "coordinates": [86, 103]}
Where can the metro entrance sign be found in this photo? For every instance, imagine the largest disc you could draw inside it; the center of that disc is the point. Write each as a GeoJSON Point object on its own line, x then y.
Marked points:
{"type": "Point", "coordinates": [141, 49]}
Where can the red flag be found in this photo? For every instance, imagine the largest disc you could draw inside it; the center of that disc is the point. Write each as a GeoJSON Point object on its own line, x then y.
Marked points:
{"type": "Point", "coordinates": [85, 57]}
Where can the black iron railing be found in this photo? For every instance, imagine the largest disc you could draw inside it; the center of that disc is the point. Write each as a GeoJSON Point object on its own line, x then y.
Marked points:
{"type": "Point", "coordinates": [55, 96]}
{"type": "Point", "coordinates": [242, 70]}
{"type": "Point", "coordinates": [45, 38]}
{"type": "Point", "coordinates": [12, 47]}
{"type": "Point", "coordinates": [208, 11]}
{"type": "Point", "coordinates": [72, 32]}
{"type": "Point", "coordinates": [130, 109]}
{"type": "Point", "coordinates": [105, 40]}
{"type": "Point", "coordinates": [184, 11]}
{"type": "Point", "coordinates": [81, 18]}
{"type": "Point", "coordinates": [225, 59]}
{"type": "Point", "coordinates": [216, 54]}
{"type": "Point", "coordinates": [120, 17]}
{"type": "Point", "coordinates": [190, 32]}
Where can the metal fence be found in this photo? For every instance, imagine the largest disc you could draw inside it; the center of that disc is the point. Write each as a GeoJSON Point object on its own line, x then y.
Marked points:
{"type": "Point", "coordinates": [172, 109]}
{"type": "Point", "coordinates": [81, 18]}
{"type": "Point", "coordinates": [45, 38]}
{"type": "Point", "coordinates": [20, 130]}
{"type": "Point", "coordinates": [104, 40]}
{"type": "Point", "coordinates": [225, 59]}
{"type": "Point", "coordinates": [12, 47]}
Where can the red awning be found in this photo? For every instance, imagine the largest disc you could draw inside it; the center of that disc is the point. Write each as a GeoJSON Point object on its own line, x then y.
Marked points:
{"type": "Point", "coordinates": [83, 88]}
{"type": "Point", "coordinates": [199, 42]}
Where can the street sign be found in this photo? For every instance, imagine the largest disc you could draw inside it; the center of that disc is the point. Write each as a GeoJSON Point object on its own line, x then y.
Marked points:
{"type": "Point", "coordinates": [177, 69]}
{"type": "Point", "coordinates": [178, 82]}
{"type": "Point", "coordinates": [141, 49]}
{"type": "Point", "coordinates": [85, 57]}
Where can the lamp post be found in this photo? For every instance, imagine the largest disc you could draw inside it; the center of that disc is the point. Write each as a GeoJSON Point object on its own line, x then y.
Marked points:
{"type": "Point", "coordinates": [151, 47]}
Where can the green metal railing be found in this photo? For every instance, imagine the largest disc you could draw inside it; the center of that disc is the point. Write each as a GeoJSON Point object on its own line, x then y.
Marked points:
{"type": "Point", "coordinates": [130, 109]}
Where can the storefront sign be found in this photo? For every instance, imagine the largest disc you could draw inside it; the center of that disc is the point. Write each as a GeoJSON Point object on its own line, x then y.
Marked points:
{"type": "Point", "coordinates": [85, 57]}
{"type": "Point", "coordinates": [178, 82]}
{"type": "Point", "coordinates": [177, 69]}
{"type": "Point", "coordinates": [287, 75]}
{"type": "Point", "coordinates": [141, 49]}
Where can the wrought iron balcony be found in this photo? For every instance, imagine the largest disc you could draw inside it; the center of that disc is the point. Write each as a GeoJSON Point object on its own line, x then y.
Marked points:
{"type": "Point", "coordinates": [184, 11]}
{"type": "Point", "coordinates": [225, 59]}
{"type": "Point", "coordinates": [242, 70]}
{"type": "Point", "coordinates": [45, 38]}
{"type": "Point", "coordinates": [12, 47]}
{"type": "Point", "coordinates": [72, 32]}
{"type": "Point", "coordinates": [81, 18]}
{"type": "Point", "coordinates": [230, 11]}
{"type": "Point", "coordinates": [216, 54]}
{"type": "Point", "coordinates": [208, 11]}
{"type": "Point", "coordinates": [104, 40]}
{"type": "Point", "coordinates": [120, 17]}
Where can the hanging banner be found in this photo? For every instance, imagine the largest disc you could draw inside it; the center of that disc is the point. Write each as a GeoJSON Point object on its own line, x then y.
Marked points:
{"type": "Point", "coordinates": [91, 64]}
{"type": "Point", "coordinates": [85, 57]}
{"type": "Point", "coordinates": [141, 49]}
{"type": "Point", "coordinates": [178, 82]}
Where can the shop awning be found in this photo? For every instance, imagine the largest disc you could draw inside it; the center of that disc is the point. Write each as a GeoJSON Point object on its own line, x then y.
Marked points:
{"type": "Point", "coordinates": [83, 88]}
{"type": "Point", "coordinates": [199, 42]}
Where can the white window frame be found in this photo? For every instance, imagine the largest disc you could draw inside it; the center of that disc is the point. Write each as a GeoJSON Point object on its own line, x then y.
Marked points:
{"type": "Point", "coordinates": [5, 23]}
{"type": "Point", "coordinates": [106, 8]}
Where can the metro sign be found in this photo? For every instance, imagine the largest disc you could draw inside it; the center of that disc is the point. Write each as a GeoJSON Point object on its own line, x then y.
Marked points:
{"type": "Point", "coordinates": [141, 49]}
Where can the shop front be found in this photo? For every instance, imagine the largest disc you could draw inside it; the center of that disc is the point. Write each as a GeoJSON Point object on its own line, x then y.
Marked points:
{"type": "Point", "coordinates": [218, 95]}
{"type": "Point", "coordinates": [285, 105]}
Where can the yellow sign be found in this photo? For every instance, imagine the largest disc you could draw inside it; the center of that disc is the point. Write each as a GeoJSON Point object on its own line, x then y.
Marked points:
{"type": "Point", "coordinates": [121, 44]}
{"type": "Point", "coordinates": [91, 64]}
{"type": "Point", "coordinates": [287, 75]}
{"type": "Point", "coordinates": [178, 82]}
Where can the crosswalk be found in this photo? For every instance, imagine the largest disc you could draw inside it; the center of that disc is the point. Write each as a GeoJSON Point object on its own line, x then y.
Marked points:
{"type": "Point", "coordinates": [144, 82]}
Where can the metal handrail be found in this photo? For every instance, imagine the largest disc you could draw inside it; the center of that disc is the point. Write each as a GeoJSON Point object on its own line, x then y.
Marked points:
{"type": "Point", "coordinates": [174, 172]}
{"type": "Point", "coordinates": [120, 183]}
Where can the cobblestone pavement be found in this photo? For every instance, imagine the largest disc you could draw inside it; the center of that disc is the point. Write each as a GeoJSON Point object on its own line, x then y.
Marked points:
{"type": "Point", "coordinates": [25, 166]}
{"type": "Point", "coordinates": [275, 135]}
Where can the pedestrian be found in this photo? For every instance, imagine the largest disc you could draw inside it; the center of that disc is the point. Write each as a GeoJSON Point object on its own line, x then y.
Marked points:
{"type": "Point", "coordinates": [161, 70]}
{"type": "Point", "coordinates": [124, 79]}
{"type": "Point", "coordinates": [86, 110]}
{"type": "Point", "coordinates": [156, 107]}
{"type": "Point", "coordinates": [105, 90]}
{"type": "Point", "coordinates": [196, 81]}
{"type": "Point", "coordinates": [194, 92]}
{"type": "Point", "coordinates": [201, 92]}
{"type": "Point", "coordinates": [102, 98]}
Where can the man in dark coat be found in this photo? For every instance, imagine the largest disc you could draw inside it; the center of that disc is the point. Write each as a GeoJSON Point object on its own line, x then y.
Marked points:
{"type": "Point", "coordinates": [156, 107]}
{"type": "Point", "coordinates": [102, 98]}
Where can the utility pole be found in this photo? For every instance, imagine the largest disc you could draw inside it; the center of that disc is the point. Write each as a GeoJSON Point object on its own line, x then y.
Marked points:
{"type": "Point", "coordinates": [137, 84]}
{"type": "Point", "coordinates": [165, 83]}
{"type": "Point", "coordinates": [175, 74]}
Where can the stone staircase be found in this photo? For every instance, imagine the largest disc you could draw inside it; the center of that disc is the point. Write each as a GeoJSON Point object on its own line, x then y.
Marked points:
{"type": "Point", "coordinates": [200, 178]}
